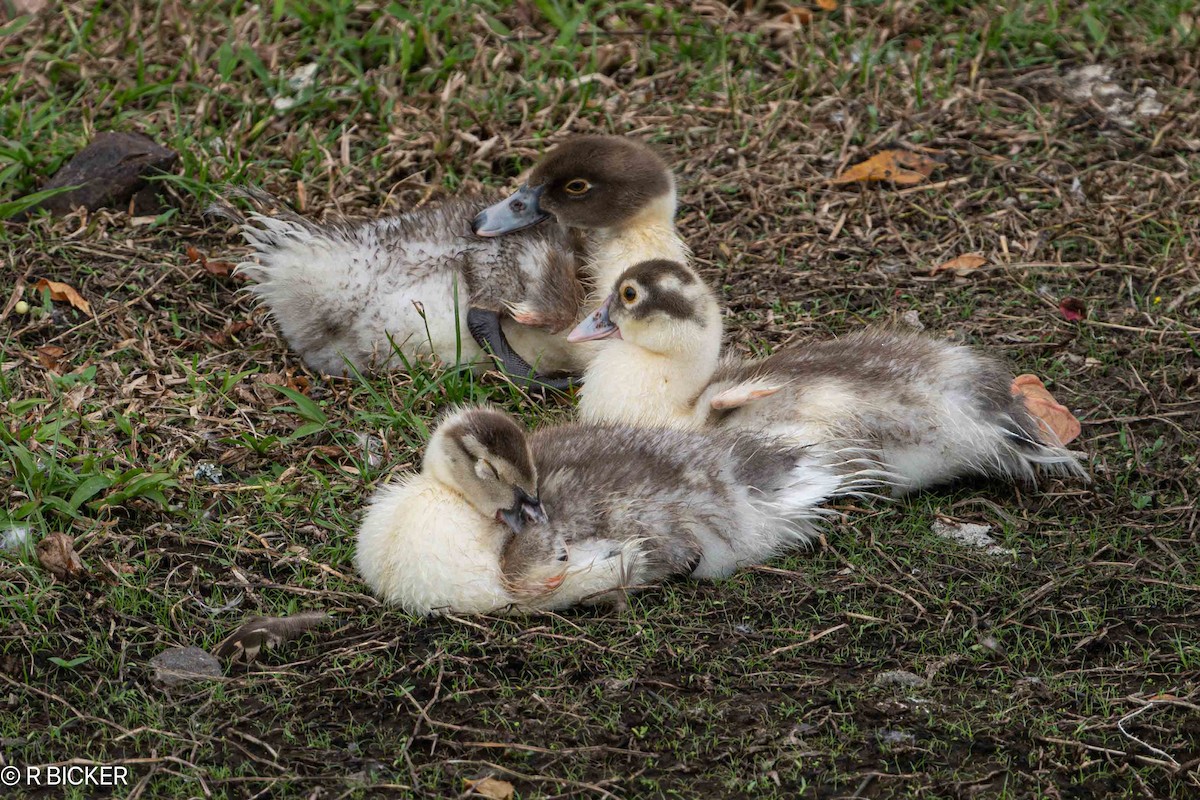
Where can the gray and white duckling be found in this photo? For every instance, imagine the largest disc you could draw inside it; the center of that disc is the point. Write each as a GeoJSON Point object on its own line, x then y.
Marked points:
{"type": "Point", "coordinates": [500, 521]}
{"type": "Point", "coordinates": [926, 411]}
{"type": "Point", "coordinates": [348, 293]}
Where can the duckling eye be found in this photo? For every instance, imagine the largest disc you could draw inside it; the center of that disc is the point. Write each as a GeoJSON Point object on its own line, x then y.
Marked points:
{"type": "Point", "coordinates": [629, 293]}
{"type": "Point", "coordinates": [577, 187]}
{"type": "Point", "coordinates": [483, 467]}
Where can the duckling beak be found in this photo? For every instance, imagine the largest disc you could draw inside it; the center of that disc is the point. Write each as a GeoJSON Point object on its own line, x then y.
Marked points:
{"type": "Point", "coordinates": [526, 508]}
{"type": "Point", "coordinates": [596, 326]}
{"type": "Point", "coordinates": [516, 212]}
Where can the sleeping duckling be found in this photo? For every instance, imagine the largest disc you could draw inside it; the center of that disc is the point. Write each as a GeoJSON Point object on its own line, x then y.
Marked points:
{"type": "Point", "coordinates": [616, 190]}
{"type": "Point", "coordinates": [929, 411]}
{"type": "Point", "coordinates": [343, 292]}
{"type": "Point", "coordinates": [498, 521]}
{"type": "Point", "coordinates": [433, 542]}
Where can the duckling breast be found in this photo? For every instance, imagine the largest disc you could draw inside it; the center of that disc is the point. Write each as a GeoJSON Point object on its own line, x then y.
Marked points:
{"type": "Point", "coordinates": [423, 548]}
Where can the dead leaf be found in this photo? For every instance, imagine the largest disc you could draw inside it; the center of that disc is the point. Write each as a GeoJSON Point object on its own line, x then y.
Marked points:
{"type": "Point", "coordinates": [898, 166]}
{"type": "Point", "coordinates": [827, 5]}
{"type": "Point", "coordinates": [1072, 309]}
{"type": "Point", "coordinates": [220, 269]}
{"type": "Point", "coordinates": [23, 7]}
{"type": "Point", "coordinates": [298, 382]}
{"type": "Point", "coordinates": [259, 632]}
{"type": "Point", "coordinates": [223, 338]}
{"type": "Point", "coordinates": [57, 554]}
{"type": "Point", "coordinates": [48, 356]}
{"type": "Point", "coordinates": [62, 293]}
{"type": "Point", "coordinates": [1053, 417]}
{"type": "Point", "coordinates": [961, 266]}
{"type": "Point", "coordinates": [795, 15]}
{"type": "Point", "coordinates": [492, 788]}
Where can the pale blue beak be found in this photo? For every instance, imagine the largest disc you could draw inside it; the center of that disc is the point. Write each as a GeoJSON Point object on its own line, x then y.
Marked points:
{"type": "Point", "coordinates": [518, 211]}
{"type": "Point", "coordinates": [596, 326]}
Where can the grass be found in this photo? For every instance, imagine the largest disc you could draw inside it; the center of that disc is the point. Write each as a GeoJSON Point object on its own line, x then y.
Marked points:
{"type": "Point", "coordinates": [762, 684]}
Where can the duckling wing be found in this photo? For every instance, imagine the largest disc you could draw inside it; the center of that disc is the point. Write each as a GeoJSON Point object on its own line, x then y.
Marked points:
{"type": "Point", "coordinates": [698, 503]}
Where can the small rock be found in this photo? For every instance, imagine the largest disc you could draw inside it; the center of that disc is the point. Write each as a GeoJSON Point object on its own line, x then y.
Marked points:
{"type": "Point", "coordinates": [913, 320]}
{"type": "Point", "coordinates": [617, 684]}
{"type": "Point", "coordinates": [971, 535]}
{"type": "Point", "coordinates": [180, 665]}
{"type": "Point", "coordinates": [208, 473]}
{"type": "Point", "coordinates": [108, 173]}
{"type": "Point", "coordinates": [900, 677]}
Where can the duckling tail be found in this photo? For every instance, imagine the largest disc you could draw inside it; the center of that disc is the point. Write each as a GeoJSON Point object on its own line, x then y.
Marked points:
{"type": "Point", "coordinates": [317, 281]}
{"type": "Point", "coordinates": [1029, 448]}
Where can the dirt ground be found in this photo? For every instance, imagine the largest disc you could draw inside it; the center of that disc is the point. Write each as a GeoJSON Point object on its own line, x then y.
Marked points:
{"type": "Point", "coordinates": [887, 662]}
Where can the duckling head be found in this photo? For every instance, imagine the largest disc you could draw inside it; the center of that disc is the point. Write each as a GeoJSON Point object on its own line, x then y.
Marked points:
{"type": "Point", "coordinates": [484, 456]}
{"type": "Point", "coordinates": [660, 306]}
{"type": "Point", "coordinates": [588, 182]}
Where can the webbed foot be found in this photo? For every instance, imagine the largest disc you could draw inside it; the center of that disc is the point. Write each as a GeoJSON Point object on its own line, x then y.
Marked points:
{"type": "Point", "coordinates": [485, 328]}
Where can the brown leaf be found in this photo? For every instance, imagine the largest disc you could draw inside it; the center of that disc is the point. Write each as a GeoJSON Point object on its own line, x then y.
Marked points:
{"type": "Point", "coordinates": [898, 166]}
{"type": "Point", "coordinates": [795, 15]}
{"type": "Point", "coordinates": [298, 382]}
{"type": "Point", "coordinates": [231, 330]}
{"type": "Point", "coordinates": [57, 554]}
{"type": "Point", "coordinates": [963, 265]}
{"type": "Point", "coordinates": [259, 632]}
{"type": "Point", "coordinates": [220, 269]}
{"type": "Point", "coordinates": [61, 292]}
{"type": "Point", "coordinates": [492, 788]}
{"type": "Point", "coordinates": [1053, 417]}
{"type": "Point", "coordinates": [827, 5]}
{"type": "Point", "coordinates": [1072, 309]}
{"type": "Point", "coordinates": [48, 356]}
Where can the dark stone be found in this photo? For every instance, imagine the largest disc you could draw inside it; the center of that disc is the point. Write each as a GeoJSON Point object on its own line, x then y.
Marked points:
{"type": "Point", "coordinates": [109, 171]}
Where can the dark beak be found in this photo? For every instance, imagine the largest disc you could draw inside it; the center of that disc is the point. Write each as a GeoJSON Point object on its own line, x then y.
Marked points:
{"type": "Point", "coordinates": [519, 211]}
{"type": "Point", "coordinates": [525, 509]}
{"type": "Point", "coordinates": [596, 326]}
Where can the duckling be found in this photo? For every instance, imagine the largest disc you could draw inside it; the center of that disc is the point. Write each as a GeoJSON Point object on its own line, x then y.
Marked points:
{"type": "Point", "coordinates": [616, 190]}
{"type": "Point", "coordinates": [929, 411]}
{"type": "Point", "coordinates": [432, 542]}
{"type": "Point", "coordinates": [344, 292]}
{"type": "Point", "coordinates": [497, 521]}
